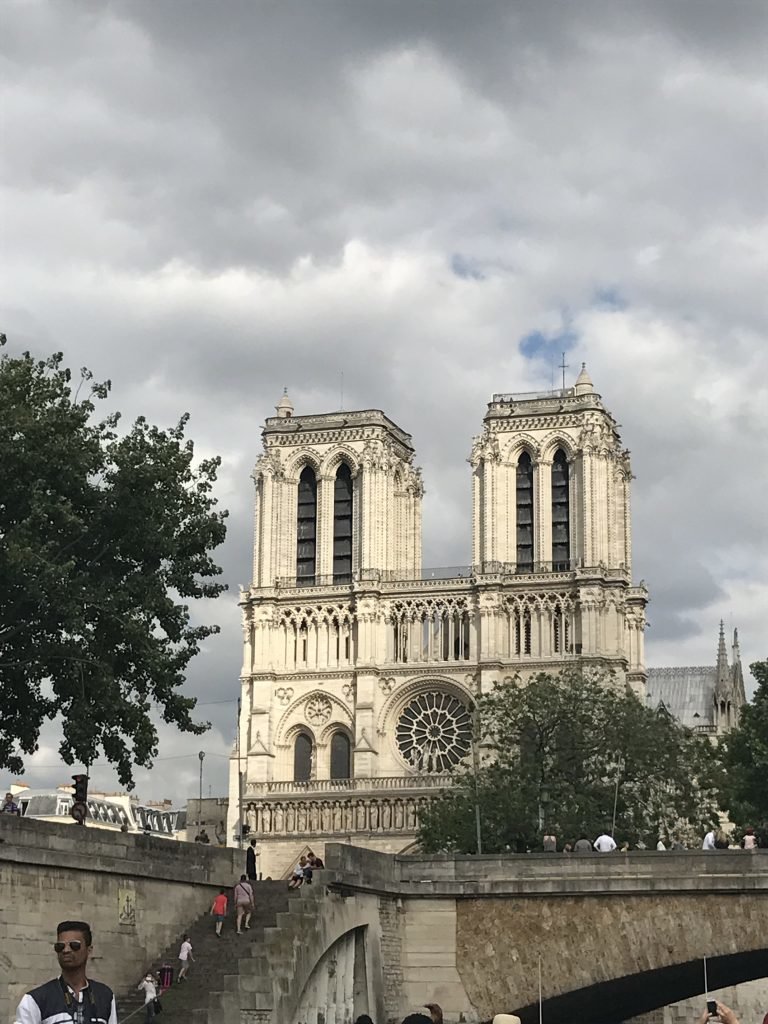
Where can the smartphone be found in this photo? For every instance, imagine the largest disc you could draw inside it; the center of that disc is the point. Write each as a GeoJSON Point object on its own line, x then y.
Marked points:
{"type": "Point", "coordinates": [711, 1007]}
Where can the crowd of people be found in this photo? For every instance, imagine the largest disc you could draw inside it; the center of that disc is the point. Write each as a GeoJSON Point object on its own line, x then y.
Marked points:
{"type": "Point", "coordinates": [714, 839]}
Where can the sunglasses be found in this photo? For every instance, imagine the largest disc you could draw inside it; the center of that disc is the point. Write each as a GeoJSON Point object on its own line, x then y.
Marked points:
{"type": "Point", "coordinates": [74, 945]}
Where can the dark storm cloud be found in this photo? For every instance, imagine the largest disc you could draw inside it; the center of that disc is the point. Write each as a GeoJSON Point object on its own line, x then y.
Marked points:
{"type": "Point", "coordinates": [206, 202]}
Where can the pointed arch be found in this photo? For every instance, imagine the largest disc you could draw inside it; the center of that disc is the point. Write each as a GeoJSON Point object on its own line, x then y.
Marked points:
{"type": "Point", "coordinates": [525, 517]}
{"type": "Point", "coordinates": [299, 461]}
{"type": "Point", "coordinates": [342, 523]}
{"type": "Point", "coordinates": [303, 756]}
{"type": "Point", "coordinates": [561, 511]}
{"type": "Point", "coordinates": [337, 455]}
{"type": "Point", "coordinates": [554, 440]}
{"type": "Point", "coordinates": [341, 755]}
{"type": "Point", "coordinates": [306, 528]}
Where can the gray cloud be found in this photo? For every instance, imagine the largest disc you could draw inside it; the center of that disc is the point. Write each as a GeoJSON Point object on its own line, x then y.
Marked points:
{"type": "Point", "coordinates": [207, 207]}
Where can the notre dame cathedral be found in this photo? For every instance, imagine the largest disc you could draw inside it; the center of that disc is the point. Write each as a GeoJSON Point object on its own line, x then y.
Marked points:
{"type": "Point", "coordinates": [359, 667]}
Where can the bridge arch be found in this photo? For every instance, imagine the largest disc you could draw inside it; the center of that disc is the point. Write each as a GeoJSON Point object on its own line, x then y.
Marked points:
{"type": "Point", "coordinates": [336, 961]}
{"type": "Point", "coordinates": [635, 994]}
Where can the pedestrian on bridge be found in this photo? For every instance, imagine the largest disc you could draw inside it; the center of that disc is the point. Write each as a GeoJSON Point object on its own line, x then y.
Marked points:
{"type": "Point", "coordinates": [605, 843]}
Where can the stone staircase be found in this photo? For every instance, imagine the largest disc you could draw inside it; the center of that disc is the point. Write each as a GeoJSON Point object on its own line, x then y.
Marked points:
{"type": "Point", "coordinates": [231, 979]}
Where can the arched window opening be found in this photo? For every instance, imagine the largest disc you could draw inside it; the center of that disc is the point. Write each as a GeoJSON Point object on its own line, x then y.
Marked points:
{"type": "Point", "coordinates": [526, 633]}
{"type": "Point", "coordinates": [341, 756]}
{"type": "Point", "coordinates": [306, 529]}
{"type": "Point", "coordinates": [302, 758]}
{"type": "Point", "coordinates": [342, 525]}
{"type": "Point", "coordinates": [524, 513]}
{"type": "Point", "coordinates": [561, 526]}
{"type": "Point", "coordinates": [556, 634]}
{"type": "Point", "coordinates": [400, 636]}
{"type": "Point", "coordinates": [517, 629]}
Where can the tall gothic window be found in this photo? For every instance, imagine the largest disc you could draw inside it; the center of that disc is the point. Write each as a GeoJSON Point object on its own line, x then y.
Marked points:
{"type": "Point", "coordinates": [306, 528]}
{"type": "Point", "coordinates": [341, 751]}
{"type": "Point", "coordinates": [524, 513]}
{"type": "Point", "coordinates": [561, 527]}
{"type": "Point", "coordinates": [302, 758]}
{"type": "Point", "coordinates": [342, 525]}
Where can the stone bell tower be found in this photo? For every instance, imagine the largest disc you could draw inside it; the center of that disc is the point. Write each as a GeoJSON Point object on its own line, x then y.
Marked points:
{"type": "Point", "coordinates": [551, 507]}
{"type": "Point", "coordinates": [336, 494]}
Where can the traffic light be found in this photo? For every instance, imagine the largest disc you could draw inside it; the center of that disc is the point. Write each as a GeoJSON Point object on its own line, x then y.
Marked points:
{"type": "Point", "coordinates": [80, 805]}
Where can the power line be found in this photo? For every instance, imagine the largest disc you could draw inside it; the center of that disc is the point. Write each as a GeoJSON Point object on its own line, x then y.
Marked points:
{"type": "Point", "coordinates": [108, 764]}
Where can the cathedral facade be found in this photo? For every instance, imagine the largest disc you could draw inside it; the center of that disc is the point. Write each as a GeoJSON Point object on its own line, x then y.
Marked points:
{"type": "Point", "coordinates": [360, 668]}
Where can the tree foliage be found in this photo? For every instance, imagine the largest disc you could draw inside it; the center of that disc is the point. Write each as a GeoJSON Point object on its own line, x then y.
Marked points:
{"type": "Point", "coordinates": [103, 535]}
{"type": "Point", "coordinates": [745, 755]}
{"type": "Point", "coordinates": [552, 752]}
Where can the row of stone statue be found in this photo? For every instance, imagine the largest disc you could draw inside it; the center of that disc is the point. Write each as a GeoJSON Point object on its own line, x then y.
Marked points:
{"type": "Point", "coordinates": [310, 817]}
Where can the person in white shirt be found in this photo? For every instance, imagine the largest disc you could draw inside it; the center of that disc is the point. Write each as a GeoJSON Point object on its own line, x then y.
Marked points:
{"type": "Point", "coordinates": [149, 984]}
{"type": "Point", "coordinates": [605, 843]}
{"type": "Point", "coordinates": [660, 846]}
{"type": "Point", "coordinates": [709, 840]}
{"type": "Point", "coordinates": [185, 957]}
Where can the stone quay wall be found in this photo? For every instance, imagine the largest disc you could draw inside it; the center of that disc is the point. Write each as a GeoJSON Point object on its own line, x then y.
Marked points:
{"type": "Point", "coordinates": [138, 893]}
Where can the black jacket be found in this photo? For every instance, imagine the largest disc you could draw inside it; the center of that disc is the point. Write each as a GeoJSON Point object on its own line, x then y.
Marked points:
{"type": "Point", "coordinates": [48, 1005]}
{"type": "Point", "coordinates": [250, 862]}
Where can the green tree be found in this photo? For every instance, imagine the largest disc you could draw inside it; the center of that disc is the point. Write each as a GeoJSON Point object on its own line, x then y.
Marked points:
{"type": "Point", "coordinates": [553, 751]}
{"type": "Point", "coordinates": [745, 755]}
{"type": "Point", "coordinates": [102, 538]}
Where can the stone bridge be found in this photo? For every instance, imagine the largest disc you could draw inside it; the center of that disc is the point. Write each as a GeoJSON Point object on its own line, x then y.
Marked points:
{"type": "Point", "coordinates": [618, 935]}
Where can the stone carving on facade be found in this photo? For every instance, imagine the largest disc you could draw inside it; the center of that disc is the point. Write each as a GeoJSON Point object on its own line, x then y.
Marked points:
{"type": "Point", "coordinates": [348, 690]}
{"type": "Point", "coordinates": [386, 686]}
{"type": "Point", "coordinates": [268, 464]}
{"type": "Point", "coordinates": [318, 710]}
{"type": "Point", "coordinates": [334, 816]}
{"type": "Point", "coordinates": [284, 694]}
{"type": "Point", "coordinates": [251, 817]}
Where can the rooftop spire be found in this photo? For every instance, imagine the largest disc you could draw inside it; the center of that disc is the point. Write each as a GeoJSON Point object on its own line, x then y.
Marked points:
{"type": "Point", "coordinates": [284, 407]}
{"type": "Point", "coordinates": [584, 385]}
{"type": "Point", "coordinates": [722, 657]}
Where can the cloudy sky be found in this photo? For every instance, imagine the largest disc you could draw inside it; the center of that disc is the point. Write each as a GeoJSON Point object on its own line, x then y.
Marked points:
{"type": "Point", "coordinates": [208, 201]}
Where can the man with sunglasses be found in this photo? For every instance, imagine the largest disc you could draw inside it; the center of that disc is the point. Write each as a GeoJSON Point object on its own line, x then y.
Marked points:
{"type": "Point", "coordinates": [72, 996]}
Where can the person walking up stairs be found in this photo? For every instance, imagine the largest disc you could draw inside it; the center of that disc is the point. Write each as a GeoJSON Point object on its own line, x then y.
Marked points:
{"type": "Point", "coordinates": [215, 957]}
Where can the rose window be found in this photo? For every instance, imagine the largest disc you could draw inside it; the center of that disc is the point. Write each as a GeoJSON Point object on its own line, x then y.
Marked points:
{"type": "Point", "coordinates": [434, 732]}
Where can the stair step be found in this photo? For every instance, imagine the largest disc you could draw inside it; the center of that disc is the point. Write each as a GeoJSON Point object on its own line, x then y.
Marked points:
{"type": "Point", "coordinates": [212, 992]}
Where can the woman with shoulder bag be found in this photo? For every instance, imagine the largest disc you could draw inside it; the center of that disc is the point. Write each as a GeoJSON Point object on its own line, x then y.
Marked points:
{"type": "Point", "coordinates": [243, 903]}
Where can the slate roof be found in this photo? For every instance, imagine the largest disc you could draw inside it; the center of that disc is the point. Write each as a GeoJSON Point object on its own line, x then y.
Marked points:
{"type": "Point", "coordinates": [686, 692]}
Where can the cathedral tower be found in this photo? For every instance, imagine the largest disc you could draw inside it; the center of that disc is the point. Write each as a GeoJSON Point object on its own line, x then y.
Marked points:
{"type": "Point", "coordinates": [551, 509]}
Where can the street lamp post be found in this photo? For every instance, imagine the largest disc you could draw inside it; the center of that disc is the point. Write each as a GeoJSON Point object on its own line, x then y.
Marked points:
{"type": "Point", "coordinates": [201, 755]}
